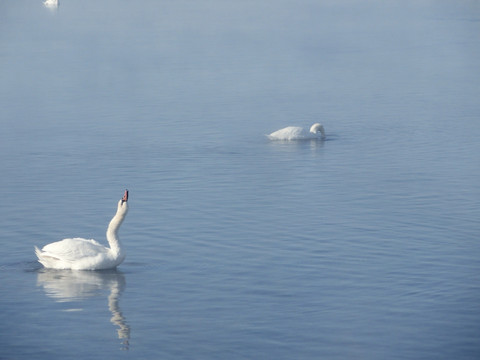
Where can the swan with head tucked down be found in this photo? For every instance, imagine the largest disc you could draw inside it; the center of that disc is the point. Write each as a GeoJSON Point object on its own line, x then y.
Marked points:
{"type": "Point", "coordinates": [83, 254]}
{"type": "Point", "coordinates": [298, 133]}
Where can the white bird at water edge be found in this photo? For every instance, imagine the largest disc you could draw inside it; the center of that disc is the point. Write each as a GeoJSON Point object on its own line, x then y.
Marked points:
{"type": "Point", "coordinates": [298, 133]}
{"type": "Point", "coordinates": [84, 254]}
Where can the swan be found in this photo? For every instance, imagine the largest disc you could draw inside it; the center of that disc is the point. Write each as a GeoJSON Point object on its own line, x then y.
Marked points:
{"type": "Point", "coordinates": [298, 133]}
{"type": "Point", "coordinates": [51, 3]}
{"type": "Point", "coordinates": [83, 254]}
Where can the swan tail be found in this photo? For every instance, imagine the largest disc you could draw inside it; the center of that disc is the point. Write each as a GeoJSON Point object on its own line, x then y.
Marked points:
{"type": "Point", "coordinates": [44, 259]}
{"type": "Point", "coordinates": [38, 252]}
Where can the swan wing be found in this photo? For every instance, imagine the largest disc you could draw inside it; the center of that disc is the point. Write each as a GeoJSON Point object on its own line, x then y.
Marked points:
{"type": "Point", "coordinates": [73, 249]}
{"type": "Point", "coordinates": [288, 133]}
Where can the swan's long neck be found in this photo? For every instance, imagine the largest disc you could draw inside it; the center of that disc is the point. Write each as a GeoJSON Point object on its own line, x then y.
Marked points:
{"type": "Point", "coordinates": [112, 231]}
{"type": "Point", "coordinates": [318, 128]}
{"type": "Point", "coordinates": [322, 131]}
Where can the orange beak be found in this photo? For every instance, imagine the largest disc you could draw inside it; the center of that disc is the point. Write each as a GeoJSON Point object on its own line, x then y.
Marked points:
{"type": "Point", "coordinates": [125, 196]}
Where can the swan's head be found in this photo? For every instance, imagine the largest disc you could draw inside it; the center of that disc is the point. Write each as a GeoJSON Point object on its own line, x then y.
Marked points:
{"type": "Point", "coordinates": [122, 204]}
{"type": "Point", "coordinates": [318, 128]}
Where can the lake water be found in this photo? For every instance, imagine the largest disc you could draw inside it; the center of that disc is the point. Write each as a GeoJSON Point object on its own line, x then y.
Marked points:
{"type": "Point", "coordinates": [362, 246]}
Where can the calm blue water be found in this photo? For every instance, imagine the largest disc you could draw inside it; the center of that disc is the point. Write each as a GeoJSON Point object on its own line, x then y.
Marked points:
{"type": "Point", "coordinates": [363, 246]}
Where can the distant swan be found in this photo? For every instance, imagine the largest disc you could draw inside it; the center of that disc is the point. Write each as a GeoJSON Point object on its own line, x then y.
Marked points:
{"type": "Point", "coordinates": [298, 133]}
{"type": "Point", "coordinates": [83, 254]}
{"type": "Point", "coordinates": [51, 3]}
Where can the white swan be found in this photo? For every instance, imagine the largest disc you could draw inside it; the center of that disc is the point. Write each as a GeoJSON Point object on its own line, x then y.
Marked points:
{"type": "Point", "coordinates": [298, 133]}
{"type": "Point", "coordinates": [51, 3]}
{"type": "Point", "coordinates": [83, 254]}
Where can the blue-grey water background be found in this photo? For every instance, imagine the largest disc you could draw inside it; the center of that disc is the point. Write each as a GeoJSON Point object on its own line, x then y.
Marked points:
{"type": "Point", "coordinates": [363, 246]}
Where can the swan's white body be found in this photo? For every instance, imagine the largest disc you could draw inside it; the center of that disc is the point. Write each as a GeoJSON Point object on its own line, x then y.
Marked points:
{"type": "Point", "coordinates": [83, 254]}
{"type": "Point", "coordinates": [298, 133]}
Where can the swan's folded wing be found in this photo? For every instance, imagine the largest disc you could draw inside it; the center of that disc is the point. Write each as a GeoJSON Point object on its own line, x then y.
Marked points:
{"type": "Point", "coordinates": [73, 249]}
{"type": "Point", "coordinates": [288, 133]}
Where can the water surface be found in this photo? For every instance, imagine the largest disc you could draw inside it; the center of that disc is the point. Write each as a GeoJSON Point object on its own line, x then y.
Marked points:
{"type": "Point", "coordinates": [362, 246]}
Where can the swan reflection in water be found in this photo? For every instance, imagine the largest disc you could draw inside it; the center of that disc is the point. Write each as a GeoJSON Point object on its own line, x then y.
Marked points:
{"type": "Point", "coordinates": [71, 285]}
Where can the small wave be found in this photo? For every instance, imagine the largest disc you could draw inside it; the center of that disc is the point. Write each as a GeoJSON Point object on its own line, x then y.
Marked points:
{"type": "Point", "coordinates": [26, 266]}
